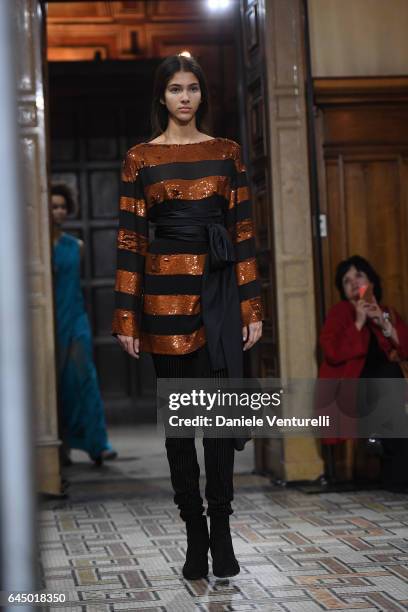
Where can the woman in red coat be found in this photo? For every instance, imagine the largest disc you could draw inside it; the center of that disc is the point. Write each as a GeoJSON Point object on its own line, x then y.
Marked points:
{"type": "Point", "coordinates": [361, 338]}
{"type": "Point", "coordinates": [354, 321]}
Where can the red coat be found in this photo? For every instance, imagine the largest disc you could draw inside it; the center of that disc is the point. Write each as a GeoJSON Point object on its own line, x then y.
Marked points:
{"type": "Point", "coordinates": [345, 349]}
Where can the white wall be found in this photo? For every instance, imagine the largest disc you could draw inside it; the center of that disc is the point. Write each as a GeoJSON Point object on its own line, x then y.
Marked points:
{"type": "Point", "coordinates": [359, 37]}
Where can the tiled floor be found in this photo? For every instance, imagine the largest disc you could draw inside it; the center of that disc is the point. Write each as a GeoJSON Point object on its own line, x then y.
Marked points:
{"type": "Point", "coordinates": [142, 455]}
{"type": "Point", "coordinates": [118, 544]}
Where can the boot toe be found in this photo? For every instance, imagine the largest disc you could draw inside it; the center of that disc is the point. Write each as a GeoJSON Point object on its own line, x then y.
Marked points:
{"type": "Point", "coordinates": [194, 572]}
{"type": "Point", "coordinates": [227, 570]}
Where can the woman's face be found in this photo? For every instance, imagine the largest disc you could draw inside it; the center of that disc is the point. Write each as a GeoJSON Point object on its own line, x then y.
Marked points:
{"type": "Point", "coordinates": [59, 209]}
{"type": "Point", "coordinates": [182, 96]}
{"type": "Point", "coordinates": [352, 281]}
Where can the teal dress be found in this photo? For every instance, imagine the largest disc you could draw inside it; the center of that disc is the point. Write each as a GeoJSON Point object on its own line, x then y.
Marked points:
{"type": "Point", "coordinates": [81, 407]}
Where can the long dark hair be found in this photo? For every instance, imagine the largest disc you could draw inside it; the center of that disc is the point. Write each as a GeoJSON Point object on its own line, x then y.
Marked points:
{"type": "Point", "coordinates": [167, 69]}
{"type": "Point", "coordinates": [63, 190]}
{"type": "Point", "coordinates": [362, 265]}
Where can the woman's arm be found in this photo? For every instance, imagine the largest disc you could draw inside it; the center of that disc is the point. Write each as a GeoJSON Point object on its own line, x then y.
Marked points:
{"type": "Point", "coordinates": [132, 239]}
{"type": "Point", "coordinates": [341, 339]}
{"type": "Point", "coordinates": [239, 221]}
{"type": "Point", "coordinates": [399, 335]}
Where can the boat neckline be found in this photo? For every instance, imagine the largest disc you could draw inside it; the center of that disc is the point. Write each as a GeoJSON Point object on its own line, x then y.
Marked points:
{"type": "Point", "coordinates": [181, 144]}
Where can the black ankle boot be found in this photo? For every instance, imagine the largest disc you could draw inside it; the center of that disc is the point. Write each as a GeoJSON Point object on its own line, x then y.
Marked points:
{"type": "Point", "coordinates": [196, 565]}
{"type": "Point", "coordinates": [225, 564]}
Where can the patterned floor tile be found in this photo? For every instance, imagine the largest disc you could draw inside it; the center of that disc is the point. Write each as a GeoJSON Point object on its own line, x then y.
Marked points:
{"type": "Point", "coordinates": [298, 553]}
{"type": "Point", "coordinates": [117, 543]}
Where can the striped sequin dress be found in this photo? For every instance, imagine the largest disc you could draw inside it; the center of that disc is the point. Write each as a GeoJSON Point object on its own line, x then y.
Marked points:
{"type": "Point", "coordinates": [178, 203]}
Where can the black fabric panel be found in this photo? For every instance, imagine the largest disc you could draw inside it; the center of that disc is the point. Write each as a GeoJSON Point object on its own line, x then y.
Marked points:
{"type": "Point", "coordinates": [205, 207]}
{"type": "Point", "coordinates": [241, 211]}
{"type": "Point", "coordinates": [165, 246]}
{"type": "Point", "coordinates": [239, 179]}
{"type": "Point", "coordinates": [186, 170]}
{"type": "Point", "coordinates": [132, 262]}
{"type": "Point", "coordinates": [245, 249]}
{"type": "Point", "coordinates": [242, 179]}
{"type": "Point", "coordinates": [127, 301]}
{"type": "Point", "coordinates": [249, 290]}
{"type": "Point", "coordinates": [175, 284]}
{"type": "Point", "coordinates": [132, 189]}
{"type": "Point", "coordinates": [171, 324]}
{"type": "Point", "coordinates": [181, 452]}
{"type": "Point", "coordinates": [135, 223]}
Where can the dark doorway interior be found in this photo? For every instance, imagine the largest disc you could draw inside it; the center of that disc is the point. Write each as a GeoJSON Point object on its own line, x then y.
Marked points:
{"type": "Point", "coordinates": [97, 111]}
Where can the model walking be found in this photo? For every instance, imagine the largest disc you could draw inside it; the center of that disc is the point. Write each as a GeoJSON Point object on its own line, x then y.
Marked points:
{"type": "Point", "coordinates": [82, 419]}
{"type": "Point", "coordinates": [201, 292]}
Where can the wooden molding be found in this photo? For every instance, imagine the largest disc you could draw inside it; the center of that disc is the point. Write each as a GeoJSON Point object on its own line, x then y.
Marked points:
{"type": "Point", "coordinates": [355, 90]}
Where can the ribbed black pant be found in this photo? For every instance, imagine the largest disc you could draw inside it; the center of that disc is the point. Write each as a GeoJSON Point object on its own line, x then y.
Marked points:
{"type": "Point", "coordinates": [181, 452]}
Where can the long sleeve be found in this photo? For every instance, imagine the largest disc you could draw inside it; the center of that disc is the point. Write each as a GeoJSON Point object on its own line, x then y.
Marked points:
{"type": "Point", "coordinates": [340, 339]}
{"type": "Point", "coordinates": [132, 240]}
{"type": "Point", "coordinates": [240, 224]}
{"type": "Point", "coordinates": [402, 332]}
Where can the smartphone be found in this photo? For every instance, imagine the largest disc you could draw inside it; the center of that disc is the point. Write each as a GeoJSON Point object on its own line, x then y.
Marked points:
{"type": "Point", "coordinates": [366, 293]}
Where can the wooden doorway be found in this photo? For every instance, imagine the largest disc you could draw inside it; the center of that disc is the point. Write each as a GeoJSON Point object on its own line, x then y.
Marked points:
{"type": "Point", "coordinates": [362, 138]}
{"type": "Point", "coordinates": [362, 135]}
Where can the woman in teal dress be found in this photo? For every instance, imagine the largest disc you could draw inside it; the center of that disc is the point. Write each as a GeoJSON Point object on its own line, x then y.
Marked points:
{"type": "Point", "coordinates": [82, 417]}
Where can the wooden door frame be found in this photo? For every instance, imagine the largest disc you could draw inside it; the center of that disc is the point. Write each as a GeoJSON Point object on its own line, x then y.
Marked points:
{"type": "Point", "coordinates": [351, 91]}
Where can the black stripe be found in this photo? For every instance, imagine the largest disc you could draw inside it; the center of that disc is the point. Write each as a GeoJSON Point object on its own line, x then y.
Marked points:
{"type": "Point", "coordinates": [127, 301]}
{"type": "Point", "coordinates": [239, 179]}
{"type": "Point", "coordinates": [242, 179]}
{"type": "Point", "coordinates": [135, 223]}
{"type": "Point", "coordinates": [249, 290]}
{"type": "Point", "coordinates": [132, 262]}
{"type": "Point", "coordinates": [241, 211]}
{"type": "Point", "coordinates": [132, 189]}
{"type": "Point", "coordinates": [186, 170]}
{"type": "Point", "coordinates": [171, 324]}
{"type": "Point", "coordinates": [165, 246]}
{"type": "Point", "coordinates": [245, 249]}
{"type": "Point", "coordinates": [177, 284]}
{"type": "Point", "coordinates": [203, 207]}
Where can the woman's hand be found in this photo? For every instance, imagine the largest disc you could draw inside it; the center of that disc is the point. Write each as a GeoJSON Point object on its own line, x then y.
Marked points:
{"type": "Point", "coordinates": [251, 334]}
{"type": "Point", "coordinates": [362, 308]}
{"type": "Point", "coordinates": [376, 315]}
{"type": "Point", "coordinates": [130, 345]}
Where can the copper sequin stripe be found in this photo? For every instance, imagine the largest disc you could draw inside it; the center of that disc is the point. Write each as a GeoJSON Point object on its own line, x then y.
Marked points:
{"type": "Point", "coordinates": [172, 345]}
{"type": "Point", "coordinates": [182, 263]}
{"type": "Point", "coordinates": [171, 304]}
{"type": "Point", "coordinates": [218, 148]}
{"type": "Point", "coordinates": [128, 282]}
{"type": "Point", "coordinates": [243, 230]}
{"type": "Point", "coordinates": [133, 205]}
{"type": "Point", "coordinates": [241, 194]}
{"type": "Point", "coordinates": [132, 241]}
{"type": "Point", "coordinates": [246, 271]}
{"type": "Point", "coordinates": [251, 310]}
{"type": "Point", "coordinates": [124, 323]}
{"type": "Point", "coordinates": [187, 189]}
{"type": "Point", "coordinates": [129, 171]}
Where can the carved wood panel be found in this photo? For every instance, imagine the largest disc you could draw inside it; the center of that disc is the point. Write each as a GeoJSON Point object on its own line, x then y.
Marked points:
{"type": "Point", "coordinates": [363, 139]}
{"type": "Point", "coordinates": [130, 30]}
{"type": "Point", "coordinates": [254, 82]}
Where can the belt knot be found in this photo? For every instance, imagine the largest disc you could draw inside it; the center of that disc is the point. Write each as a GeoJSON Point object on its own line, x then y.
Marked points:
{"type": "Point", "coordinates": [221, 249]}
